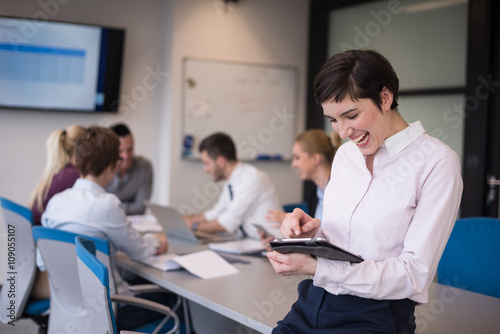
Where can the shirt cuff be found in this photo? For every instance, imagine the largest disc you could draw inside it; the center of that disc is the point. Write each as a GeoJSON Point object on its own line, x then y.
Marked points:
{"type": "Point", "coordinates": [229, 223]}
{"type": "Point", "coordinates": [329, 274]}
{"type": "Point", "coordinates": [210, 215]}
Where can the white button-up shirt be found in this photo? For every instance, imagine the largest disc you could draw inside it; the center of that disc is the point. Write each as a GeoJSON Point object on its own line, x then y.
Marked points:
{"type": "Point", "coordinates": [88, 209]}
{"type": "Point", "coordinates": [399, 219]}
{"type": "Point", "coordinates": [253, 194]}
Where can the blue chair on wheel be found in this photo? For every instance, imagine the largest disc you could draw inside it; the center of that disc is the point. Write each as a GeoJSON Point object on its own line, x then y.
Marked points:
{"type": "Point", "coordinates": [68, 304]}
{"type": "Point", "coordinates": [21, 270]}
{"type": "Point", "coordinates": [471, 259]}
{"type": "Point", "coordinates": [94, 285]}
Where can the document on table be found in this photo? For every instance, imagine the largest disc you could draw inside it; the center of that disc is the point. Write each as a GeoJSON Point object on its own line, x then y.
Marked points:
{"type": "Point", "coordinates": [244, 246]}
{"type": "Point", "coordinates": [205, 264]}
{"type": "Point", "coordinates": [145, 223]}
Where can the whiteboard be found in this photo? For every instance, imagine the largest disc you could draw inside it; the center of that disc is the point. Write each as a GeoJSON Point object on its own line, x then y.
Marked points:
{"type": "Point", "coordinates": [254, 104]}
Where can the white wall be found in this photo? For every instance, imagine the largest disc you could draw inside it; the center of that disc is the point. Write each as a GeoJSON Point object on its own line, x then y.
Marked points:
{"type": "Point", "coordinates": [148, 44]}
{"type": "Point", "coordinates": [159, 33]}
{"type": "Point", "coordinates": [256, 31]}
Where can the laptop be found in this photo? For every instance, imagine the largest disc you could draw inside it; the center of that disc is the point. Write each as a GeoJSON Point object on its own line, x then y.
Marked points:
{"type": "Point", "coordinates": [174, 226]}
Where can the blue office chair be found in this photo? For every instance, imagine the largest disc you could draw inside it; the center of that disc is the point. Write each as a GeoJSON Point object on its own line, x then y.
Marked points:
{"type": "Point", "coordinates": [57, 248]}
{"type": "Point", "coordinates": [290, 206]}
{"type": "Point", "coordinates": [58, 252]}
{"type": "Point", "coordinates": [471, 259]}
{"type": "Point", "coordinates": [21, 271]}
{"type": "Point", "coordinates": [94, 284]}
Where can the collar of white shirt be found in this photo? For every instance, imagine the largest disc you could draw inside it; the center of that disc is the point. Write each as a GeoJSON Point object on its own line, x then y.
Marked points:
{"type": "Point", "coordinates": [403, 138]}
{"type": "Point", "coordinates": [88, 185]}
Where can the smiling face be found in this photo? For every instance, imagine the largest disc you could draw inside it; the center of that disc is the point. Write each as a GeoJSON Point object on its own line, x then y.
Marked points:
{"type": "Point", "coordinates": [126, 152]}
{"type": "Point", "coordinates": [303, 161]}
{"type": "Point", "coordinates": [362, 121]}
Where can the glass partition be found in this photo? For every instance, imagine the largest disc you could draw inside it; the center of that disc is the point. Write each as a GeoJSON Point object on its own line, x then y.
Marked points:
{"type": "Point", "coordinates": [426, 42]}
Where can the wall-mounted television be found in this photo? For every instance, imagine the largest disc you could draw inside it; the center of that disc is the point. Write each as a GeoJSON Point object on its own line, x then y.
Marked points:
{"type": "Point", "coordinates": [48, 65]}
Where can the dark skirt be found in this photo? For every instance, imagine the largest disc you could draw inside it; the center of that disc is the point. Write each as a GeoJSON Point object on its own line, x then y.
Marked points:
{"type": "Point", "coordinates": [318, 311]}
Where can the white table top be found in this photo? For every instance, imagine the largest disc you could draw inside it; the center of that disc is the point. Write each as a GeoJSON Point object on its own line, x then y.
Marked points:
{"type": "Point", "coordinates": [457, 311]}
{"type": "Point", "coordinates": [257, 297]}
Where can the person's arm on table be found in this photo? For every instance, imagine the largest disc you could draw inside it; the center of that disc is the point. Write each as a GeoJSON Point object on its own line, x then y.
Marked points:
{"type": "Point", "coordinates": [127, 239]}
{"type": "Point", "coordinates": [191, 219]}
{"type": "Point", "coordinates": [200, 223]}
{"type": "Point", "coordinates": [163, 243]}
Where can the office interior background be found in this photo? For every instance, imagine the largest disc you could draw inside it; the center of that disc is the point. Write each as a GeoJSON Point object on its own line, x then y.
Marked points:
{"type": "Point", "coordinates": [443, 50]}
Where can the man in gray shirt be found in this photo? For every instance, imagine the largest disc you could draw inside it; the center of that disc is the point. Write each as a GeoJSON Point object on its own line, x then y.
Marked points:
{"type": "Point", "coordinates": [133, 182]}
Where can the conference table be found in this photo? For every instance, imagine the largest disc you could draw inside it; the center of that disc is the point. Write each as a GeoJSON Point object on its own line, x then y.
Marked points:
{"type": "Point", "coordinates": [256, 298]}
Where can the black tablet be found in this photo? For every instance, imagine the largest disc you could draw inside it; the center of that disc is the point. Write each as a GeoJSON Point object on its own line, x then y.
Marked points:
{"type": "Point", "coordinates": [317, 247]}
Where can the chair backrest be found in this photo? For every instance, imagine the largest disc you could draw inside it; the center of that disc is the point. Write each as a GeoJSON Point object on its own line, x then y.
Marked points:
{"type": "Point", "coordinates": [471, 258]}
{"type": "Point", "coordinates": [58, 251]}
{"type": "Point", "coordinates": [21, 260]}
{"type": "Point", "coordinates": [94, 285]}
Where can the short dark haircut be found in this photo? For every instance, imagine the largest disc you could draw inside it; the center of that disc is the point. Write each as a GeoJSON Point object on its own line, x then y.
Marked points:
{"type": "Point", "coordinates": [219, 144]}
{"type": "Point", "coordinates": [357, 74]}
{"type": "Point", "coordinates": [121, 130]}
{"type": "Point", "coordinates": [96, 149]}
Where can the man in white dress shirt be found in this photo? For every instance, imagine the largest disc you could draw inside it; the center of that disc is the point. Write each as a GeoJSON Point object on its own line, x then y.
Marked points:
{"type": "Point", "coordinates": [247, 194]}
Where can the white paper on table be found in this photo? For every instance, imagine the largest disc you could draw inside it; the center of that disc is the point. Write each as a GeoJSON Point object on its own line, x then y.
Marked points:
{"type": "Point", "coordinates": [145, 223]}
{"type": "Point", "coordinates": [204, 264]}
{"type": "Point", "coordinates": [243, 246]}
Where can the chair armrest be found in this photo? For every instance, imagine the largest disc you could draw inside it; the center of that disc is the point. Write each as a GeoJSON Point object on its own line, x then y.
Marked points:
{"type": "Point", "coordinates": [143, 288]}
{"type": "Point", "coordinates": [130, 332]}
{"type": "Point", "coordinates": [140, 302]}
{"type": "Point", "coordinates": [146, 288]}
{"type": "Point", "coordinates": [150, 305]}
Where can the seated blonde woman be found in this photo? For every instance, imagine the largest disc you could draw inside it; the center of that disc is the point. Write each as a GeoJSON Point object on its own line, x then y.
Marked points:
{"type": "Point", "coordinates": [60, 172]}
{"type": "Point", "coordinates": [313, 153]}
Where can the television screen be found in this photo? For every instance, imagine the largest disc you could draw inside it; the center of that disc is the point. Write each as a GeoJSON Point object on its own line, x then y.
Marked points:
{"type": "Point", "coordinates": [59, 66]}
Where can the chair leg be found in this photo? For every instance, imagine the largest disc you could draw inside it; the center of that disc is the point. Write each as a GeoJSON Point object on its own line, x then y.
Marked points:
{"type": "Point", "coordinates": [187, 321]}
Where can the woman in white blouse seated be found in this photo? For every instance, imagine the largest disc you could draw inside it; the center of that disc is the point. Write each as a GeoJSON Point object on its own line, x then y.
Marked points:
{"type": "Point", "coordinates": [393, 196]}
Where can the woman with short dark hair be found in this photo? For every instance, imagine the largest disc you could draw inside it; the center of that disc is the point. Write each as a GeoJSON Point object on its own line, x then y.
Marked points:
{"type": "Point", "coordinates": [393, 197]}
